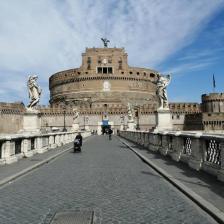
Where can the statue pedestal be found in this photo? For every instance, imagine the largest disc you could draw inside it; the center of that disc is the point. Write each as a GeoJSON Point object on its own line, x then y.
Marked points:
{"type": "Point", "coordinates": [75, 127]}
{"type": "Point", "coordinates": [163, 120]}
{"type": "Point", "coordinates": [31, 121]}
{"type": "Point", "coordinates": [122, 127]}
{"type": "Point", "coordinates": [131, 126]}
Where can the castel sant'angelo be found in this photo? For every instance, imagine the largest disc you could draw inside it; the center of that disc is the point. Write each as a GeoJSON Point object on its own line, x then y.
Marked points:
{"type": "Point", "coordinates": [104, 83]}
{"type": "Point", "coordinates": [101, 89]}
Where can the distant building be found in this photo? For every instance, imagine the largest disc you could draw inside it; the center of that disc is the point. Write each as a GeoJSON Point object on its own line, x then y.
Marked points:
{"type": "Point", "coordinates": [213, 111]}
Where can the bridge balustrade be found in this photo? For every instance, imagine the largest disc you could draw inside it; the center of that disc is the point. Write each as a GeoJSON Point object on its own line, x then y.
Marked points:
{"type": "Point", "coordinates": [15, 147]}
{"type": "Point", "coordinates": [200, 151]}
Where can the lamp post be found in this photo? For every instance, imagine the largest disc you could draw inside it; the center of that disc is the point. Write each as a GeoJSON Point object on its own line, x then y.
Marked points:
{"type": "Point", "coordinates": [137, 117]}
{"type": "Point", "coordinates": [64, 111]}
{"type": "Point", "coordinates": [84, 122]}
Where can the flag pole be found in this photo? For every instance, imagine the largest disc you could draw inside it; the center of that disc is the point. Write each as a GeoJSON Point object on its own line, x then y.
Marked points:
{"type": "Point", "coordinates": [214, 84]}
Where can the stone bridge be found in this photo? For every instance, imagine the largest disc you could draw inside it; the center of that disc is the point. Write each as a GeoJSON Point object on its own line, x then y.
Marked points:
{"type": "Point", "coordinates": [109, 179]}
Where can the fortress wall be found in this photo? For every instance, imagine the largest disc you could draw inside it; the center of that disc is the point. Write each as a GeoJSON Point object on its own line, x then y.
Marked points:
{"type": "Point", "coordinates": [213, 121]}
{"type": "Point", "coordinates": [193, 122]}
{"type": "Point", "coordinates": [10, 123]}
{"type": "Point", "coordinates": [11, 117]}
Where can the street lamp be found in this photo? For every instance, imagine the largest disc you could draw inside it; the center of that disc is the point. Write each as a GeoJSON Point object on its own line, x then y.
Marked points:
{"type": "Point", "coordinates": [137, 117]}
{"type": "Point", "coordinates": [64, 111]}
{"type": "Point", "coordinates": [84, 122]}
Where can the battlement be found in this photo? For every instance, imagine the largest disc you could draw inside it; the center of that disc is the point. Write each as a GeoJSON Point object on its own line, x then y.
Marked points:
{"type": "Point", "coordinates": [185, 107]}
{"type": "Point", "coordinates": [12, 108]}
{"type": "Point", "coordinates": [212, 97]}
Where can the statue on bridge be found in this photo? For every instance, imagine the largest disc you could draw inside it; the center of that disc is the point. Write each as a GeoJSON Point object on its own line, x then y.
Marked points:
{"type": "Point", "coordinates": [75, 125]}
{"type": "Point", "coordinates": [162, 83]}
{"type": "Point", "coordinates": [130, 113]}
{"type": "Point", "coordinates": [76, 114]}
{"type": "Point", "coordinates": [34, 91]}
{"type": "Point", "coordinates": [131, 122]}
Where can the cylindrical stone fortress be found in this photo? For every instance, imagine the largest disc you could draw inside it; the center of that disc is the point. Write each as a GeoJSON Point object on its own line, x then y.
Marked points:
{"type": "Point", "coordinates": [213, 102]}
{"type": "Point", "coordinates": [105, 80]}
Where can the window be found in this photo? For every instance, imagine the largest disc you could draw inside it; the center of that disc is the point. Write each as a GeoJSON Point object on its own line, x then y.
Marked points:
{"type": "Point", "coordinates": [130, 72]}
{"type": "Point", "coordinates": [89, 60]}
{"type": "Point", "coordinates": [120, 64]}
{"type": "Point", "coordinates": [104, 70]}
{"type": "Point", "coordinates": [109, 70]}
{"type": "Point", "coordinates": [99, 70]}
{"type": "Point", "coordinates": [99, 60]}
{"type": "Point", "coordinates": [137, 73]}
{"type": "Point", "coordinates": [152, 75]}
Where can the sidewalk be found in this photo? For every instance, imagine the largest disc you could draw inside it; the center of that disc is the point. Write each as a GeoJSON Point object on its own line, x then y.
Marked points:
{"type": "Point", "coordinates": [199, 182]}
{"type": "Point", "coordinates": [10, 172]}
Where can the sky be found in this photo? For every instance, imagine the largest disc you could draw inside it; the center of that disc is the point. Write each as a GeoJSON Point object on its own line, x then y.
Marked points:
{"type": "Point", "coordinates": [184, 38]}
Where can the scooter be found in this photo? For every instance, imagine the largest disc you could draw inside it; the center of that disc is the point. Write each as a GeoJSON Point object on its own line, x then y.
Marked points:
{"type": "Point", "coordinates": [77, 146]}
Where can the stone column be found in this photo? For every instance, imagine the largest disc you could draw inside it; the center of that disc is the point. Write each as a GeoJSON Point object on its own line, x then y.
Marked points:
{"type": "Point", "coordinates": [26, 147]}
{"type": "Point", "coordinates": [8, 154]}
{"type": "Point", "coordinates": [40, 147]}
{"type": "Point", "coordinates": [62, 139]}
{"type": "Point", "coordinates": [57, 140]}
{"type": "Point", "coordinates": [67, 138]}
{"type": "Point", "coordinates": [51, 141]}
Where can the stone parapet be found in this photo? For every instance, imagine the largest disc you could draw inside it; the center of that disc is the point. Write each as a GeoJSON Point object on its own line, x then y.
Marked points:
{"type": "Point", "coordinates": [199, 150]}
{"type": "Point", "coordinates": [18, 146]}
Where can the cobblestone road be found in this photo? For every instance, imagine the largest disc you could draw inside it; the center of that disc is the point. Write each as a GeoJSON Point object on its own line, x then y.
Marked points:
{"type": "Point", "coordinates": [106, 177]}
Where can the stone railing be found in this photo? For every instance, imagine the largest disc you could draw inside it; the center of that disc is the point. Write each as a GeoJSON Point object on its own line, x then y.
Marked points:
{"type": "Point", "coordinates": [15, 147]}
{"type": "Point", "coordinates": [200, 151]}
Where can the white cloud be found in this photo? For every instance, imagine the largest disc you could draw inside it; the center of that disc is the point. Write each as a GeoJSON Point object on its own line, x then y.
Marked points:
{"type": "Point", "coordinates": [44, 37]}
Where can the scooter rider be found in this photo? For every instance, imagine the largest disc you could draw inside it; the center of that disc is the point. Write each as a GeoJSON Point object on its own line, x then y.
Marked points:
{"type": "Point", "coordinates": [79, 137]}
